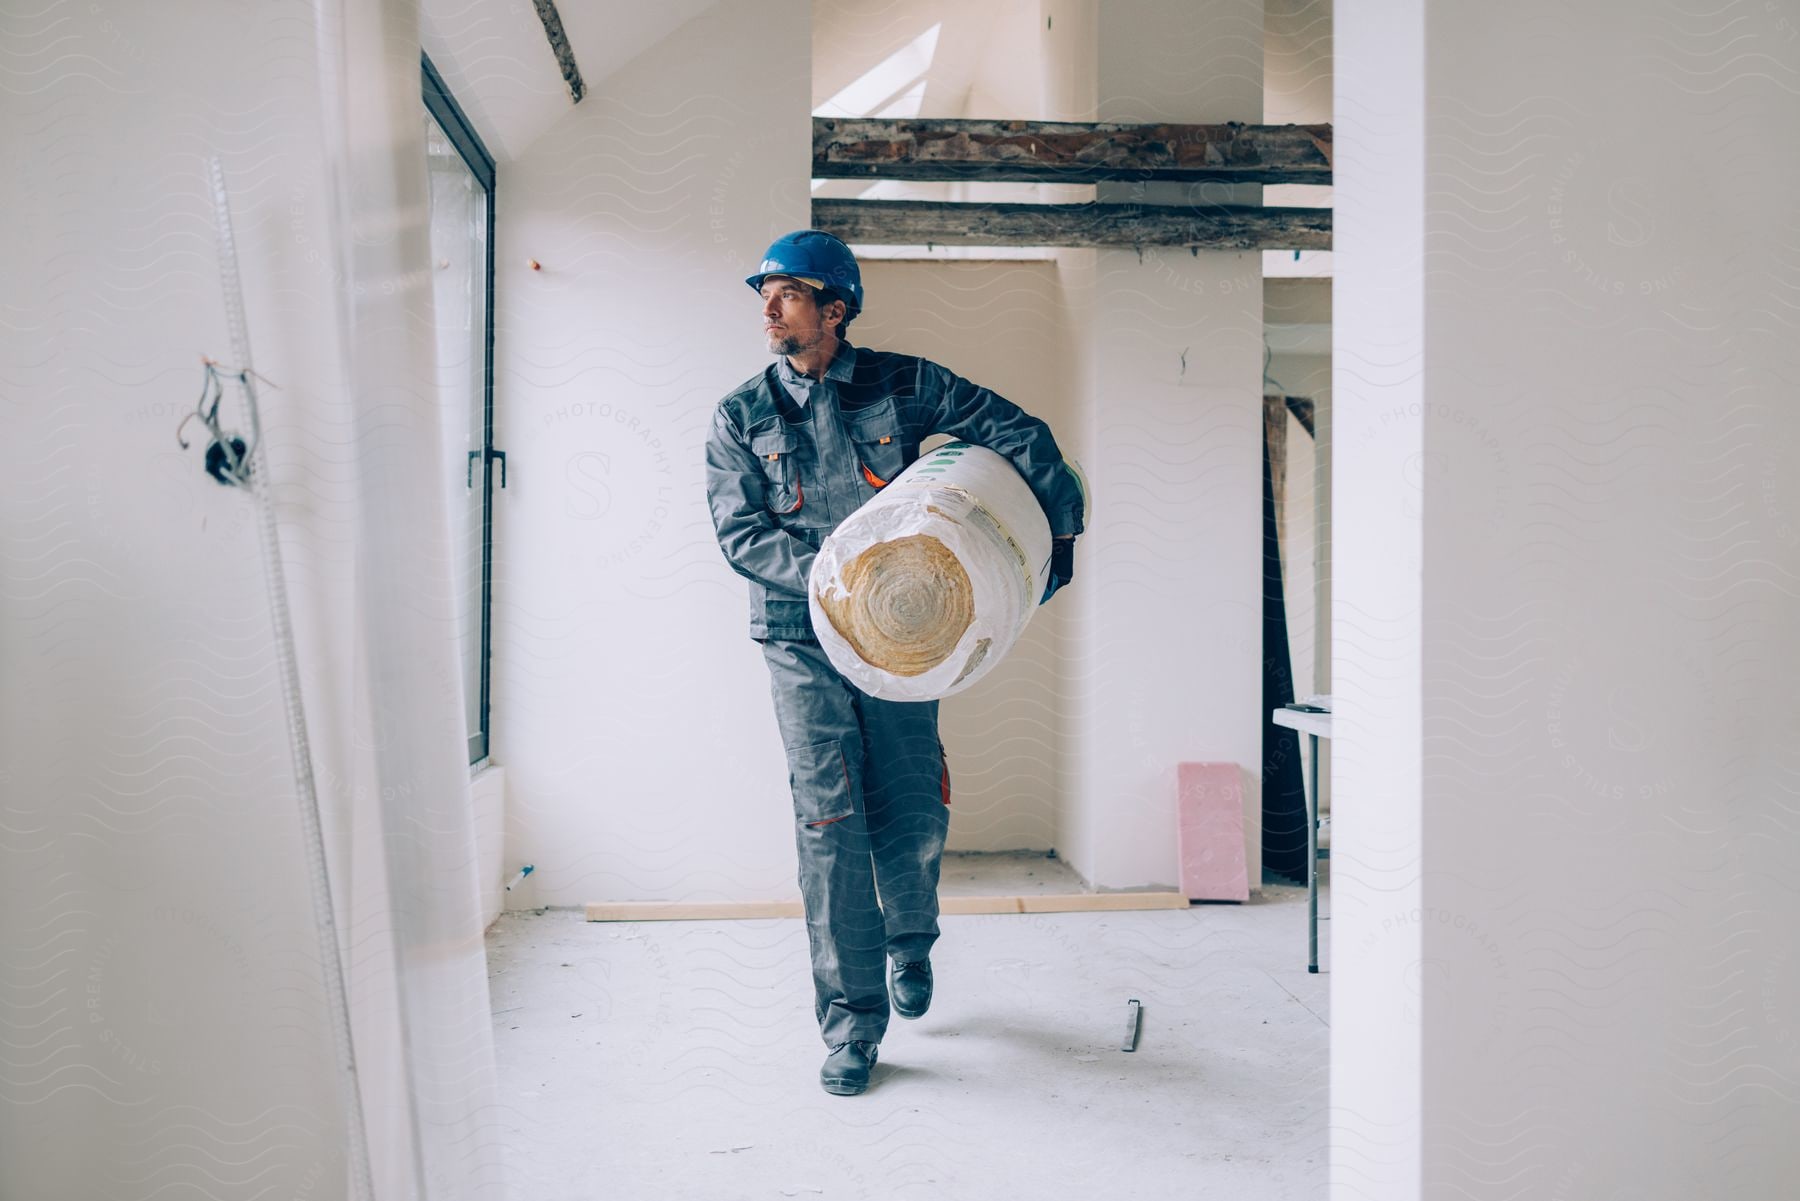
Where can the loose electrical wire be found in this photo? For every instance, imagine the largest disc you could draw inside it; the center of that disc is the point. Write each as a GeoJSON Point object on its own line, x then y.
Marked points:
{"type": "Point", "coordinates": [248, 468]}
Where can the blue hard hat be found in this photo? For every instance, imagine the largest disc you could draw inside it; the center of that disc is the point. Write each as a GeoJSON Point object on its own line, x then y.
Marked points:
{"type": "Point", "coordinates": [813, 254]}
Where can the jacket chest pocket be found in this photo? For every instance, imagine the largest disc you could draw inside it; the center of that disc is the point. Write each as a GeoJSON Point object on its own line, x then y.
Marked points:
{"type": "Point", "coordinates": [880, 450]}
{"type": "Point", "coordinates": [777, 453]}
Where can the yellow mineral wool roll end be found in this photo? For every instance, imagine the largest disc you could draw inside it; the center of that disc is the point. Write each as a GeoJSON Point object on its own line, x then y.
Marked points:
{"type": "Point", "coordinates": [925, 588]}
{"type": "Point", "coordinates": [904, 604]}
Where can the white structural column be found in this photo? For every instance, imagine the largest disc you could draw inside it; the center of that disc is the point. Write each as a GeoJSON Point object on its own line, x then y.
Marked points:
{"type": "Point", "coordinates": [1611, 972]}
{"type": "Point", "coordinates": [1377, 311]}
{"type": "Point", "coordinates": [1169, 578]}
{"type": "Point", "coordinates": [1567, 558]}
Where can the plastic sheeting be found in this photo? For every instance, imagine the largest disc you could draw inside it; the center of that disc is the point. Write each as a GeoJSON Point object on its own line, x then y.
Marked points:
{"type": "Point", "coordinates": [923, 590]}
{"type": "Point", "coordinates": [419, 981]}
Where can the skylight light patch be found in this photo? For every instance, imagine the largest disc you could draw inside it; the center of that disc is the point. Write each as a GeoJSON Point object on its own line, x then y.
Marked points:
{"type": "Point", "coordinates": [889, 84]}
{"type": "Point", "coordinates": [907, 104]}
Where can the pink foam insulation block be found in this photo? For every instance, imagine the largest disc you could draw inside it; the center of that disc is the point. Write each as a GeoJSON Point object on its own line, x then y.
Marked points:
{"type": "Point", "coordinates": [1210, 832]}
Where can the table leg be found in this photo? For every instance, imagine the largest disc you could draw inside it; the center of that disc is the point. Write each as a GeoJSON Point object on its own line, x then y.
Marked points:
{"type": "Point", "coordinates": [1312, 853]}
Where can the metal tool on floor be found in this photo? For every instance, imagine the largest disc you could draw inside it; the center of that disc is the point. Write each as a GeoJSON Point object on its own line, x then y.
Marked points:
{"type": "Point", "coordinates": [1134, 1012]}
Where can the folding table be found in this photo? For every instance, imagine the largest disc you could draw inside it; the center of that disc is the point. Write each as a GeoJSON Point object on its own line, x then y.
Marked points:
{"type": "Point", "coordinates": [1315, 726]}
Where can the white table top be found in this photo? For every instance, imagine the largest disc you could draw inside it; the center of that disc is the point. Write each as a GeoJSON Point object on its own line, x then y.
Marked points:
{"type": "Point", "coordinates": [1306, 723]}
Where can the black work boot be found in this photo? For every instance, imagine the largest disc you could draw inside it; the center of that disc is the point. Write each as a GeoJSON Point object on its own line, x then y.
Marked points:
{"type": "Point", "coordinates": [846, 1070]}
{"type": "Point", "coordinates": [909, 988]}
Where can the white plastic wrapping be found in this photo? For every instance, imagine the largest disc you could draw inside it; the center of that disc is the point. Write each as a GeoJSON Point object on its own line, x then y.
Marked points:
{"type": "Point", "coordinates": [977, 506]}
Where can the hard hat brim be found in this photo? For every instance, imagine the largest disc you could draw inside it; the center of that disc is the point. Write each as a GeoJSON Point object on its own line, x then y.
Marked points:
{"type": "Point", "coordinates": [756, 281]}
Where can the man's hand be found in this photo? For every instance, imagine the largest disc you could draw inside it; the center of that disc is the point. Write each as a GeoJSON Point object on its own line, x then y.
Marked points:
{"type": "Point", "coordinates": [1062, 564]}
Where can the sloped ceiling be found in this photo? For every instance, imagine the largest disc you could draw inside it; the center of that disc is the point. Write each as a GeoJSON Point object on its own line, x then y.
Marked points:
{"type": "Point", "coordinates": [985, 48]}
{"type": "Point", "coordinates": [497, 61]}
{"type": "Point", "coordinates": [984, 62]}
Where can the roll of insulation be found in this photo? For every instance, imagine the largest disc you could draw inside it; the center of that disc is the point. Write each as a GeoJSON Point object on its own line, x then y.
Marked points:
{"type": "Point", "coordinates": [921, 591]}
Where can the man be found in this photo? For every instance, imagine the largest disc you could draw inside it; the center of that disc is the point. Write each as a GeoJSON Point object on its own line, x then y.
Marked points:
{"type": "Point", "coordinates": [791, 453]}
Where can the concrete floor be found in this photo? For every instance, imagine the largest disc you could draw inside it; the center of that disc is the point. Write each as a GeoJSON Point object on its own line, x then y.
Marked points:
{"type": "Point", "coordinates": [649, 1061]}
{"type": "Point", "coordinates": [1005, 874]}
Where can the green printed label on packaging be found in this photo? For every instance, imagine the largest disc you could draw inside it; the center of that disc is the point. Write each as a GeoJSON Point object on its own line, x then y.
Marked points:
{"type": "Point", "coordinates": [979, 516]}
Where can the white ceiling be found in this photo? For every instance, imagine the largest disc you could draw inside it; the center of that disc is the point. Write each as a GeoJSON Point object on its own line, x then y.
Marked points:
{"type": "Point", "coordinates": [981, 61]}
{"type": "Point", "coordinates": [926, 58]}
{"type": "Point", "coordinates": [986, 51]}
{"type": "Point", "coordinates": [498, 64]}
{"type": "Point", "coordinates": [607, 34]}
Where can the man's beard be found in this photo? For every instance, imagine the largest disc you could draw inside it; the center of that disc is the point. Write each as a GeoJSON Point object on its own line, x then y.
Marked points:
{"type": "Point", "coordinates": [790, 344]}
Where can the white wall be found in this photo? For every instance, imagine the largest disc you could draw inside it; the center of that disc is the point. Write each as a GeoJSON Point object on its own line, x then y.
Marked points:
{"type": "Point", "coordinates": [1297, 62]}
{"type": "Point", "coordinates": [166, 1029]}
{"type": "Point", "coordinates": [487, 797]}
{"type": "Point", "coordinates": [1000, 324]}
{"type": "Point", "coordinates": [1565, 565]}
{"type": "Point", "coordinates": [1373, 952]}
{"type": "Point", "coordinates": [1169, 578]}
{"type": "Point", "coordinates": [1069, 87]}
{"type": "Point", "coordinates": [1068, 90]}
{"type": "Point", "coordinates": [631, 708]}
{"type": "Point", "coordinates": [1611, 563]}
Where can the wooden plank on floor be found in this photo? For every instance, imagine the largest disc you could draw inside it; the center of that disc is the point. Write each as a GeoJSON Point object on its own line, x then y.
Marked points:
{"type": "Point", "coordinates": [702, 911]}
{"type": "Point", "coordinates": [1102, 902]}
{"type": "Point", "coordinates": [965, 905]}
{"type": "Point", "coordinates": [688, 911]}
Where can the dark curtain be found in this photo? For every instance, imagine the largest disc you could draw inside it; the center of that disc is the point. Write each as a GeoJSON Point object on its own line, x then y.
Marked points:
{"type": "Point", "coordinates": [1284, 795]}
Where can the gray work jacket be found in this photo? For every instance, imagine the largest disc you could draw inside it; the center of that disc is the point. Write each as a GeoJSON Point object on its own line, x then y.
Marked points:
{"type": "Point", "coordinates": [780, 476]}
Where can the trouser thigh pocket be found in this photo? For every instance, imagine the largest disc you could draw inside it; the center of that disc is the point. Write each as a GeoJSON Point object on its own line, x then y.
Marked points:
{"type": "Point", "coordinates": [820, 777]}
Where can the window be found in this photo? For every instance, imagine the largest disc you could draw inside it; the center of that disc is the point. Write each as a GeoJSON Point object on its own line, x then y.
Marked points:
{"type": "Point", "coordinates": [462, 254]}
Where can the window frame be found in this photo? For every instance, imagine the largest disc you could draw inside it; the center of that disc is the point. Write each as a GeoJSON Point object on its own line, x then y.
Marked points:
{"type": "Point", "coordinates": [457, 127]}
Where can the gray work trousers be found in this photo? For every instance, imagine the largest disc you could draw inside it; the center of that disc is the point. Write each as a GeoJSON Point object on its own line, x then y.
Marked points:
{"type": "Point", "coordinates": [871, 794]}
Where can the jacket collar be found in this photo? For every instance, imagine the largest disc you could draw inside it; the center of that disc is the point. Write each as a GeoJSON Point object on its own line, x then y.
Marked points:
{"type": "Point", "coordinates": [841, 369]}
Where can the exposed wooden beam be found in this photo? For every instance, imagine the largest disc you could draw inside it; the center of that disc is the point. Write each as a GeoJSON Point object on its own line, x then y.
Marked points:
{"type": "Point", "coordinates": [1068, 152]}
{"type": "Point", "coordinates": [559, 46]}
{"type": "Point", "coordinates": [934, 223]}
